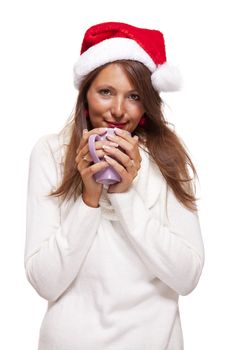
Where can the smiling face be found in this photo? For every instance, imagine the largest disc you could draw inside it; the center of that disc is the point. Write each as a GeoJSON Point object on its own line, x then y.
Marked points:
{"type": "Point", "coordinates": [113, 101]}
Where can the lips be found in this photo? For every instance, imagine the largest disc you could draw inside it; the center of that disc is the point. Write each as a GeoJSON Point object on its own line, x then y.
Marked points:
{"type": "Point", "coordinates": [116, 125]}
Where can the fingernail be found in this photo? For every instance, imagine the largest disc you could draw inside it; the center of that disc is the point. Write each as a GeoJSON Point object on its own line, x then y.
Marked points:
{"type": "Point", "coordinates": [119, 130]}
{"type": "Point", "coordinates": [106, 147]}
{"type": "Point", "coordinates": [85, 131]}
{"type": "Point", "coordinates": [104, 163]}
{"type": "Point", "coordinates": [102, 129]}
{"type": "Point", "coordinates": [107, 158]}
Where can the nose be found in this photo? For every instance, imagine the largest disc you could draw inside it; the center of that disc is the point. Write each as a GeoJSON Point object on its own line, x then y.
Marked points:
{"type": "Point", "coordinates": [117, 108]}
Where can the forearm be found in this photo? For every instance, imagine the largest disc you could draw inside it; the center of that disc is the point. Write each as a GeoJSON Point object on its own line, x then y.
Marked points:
{"type": "Point", "coordinates": [56, 262]}
{"type": "Point", "coordinates": [166, 251]}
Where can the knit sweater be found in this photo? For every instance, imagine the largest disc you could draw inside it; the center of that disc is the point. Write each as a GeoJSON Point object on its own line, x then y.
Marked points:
{"type": "Point", "coordinates": [112, 275]}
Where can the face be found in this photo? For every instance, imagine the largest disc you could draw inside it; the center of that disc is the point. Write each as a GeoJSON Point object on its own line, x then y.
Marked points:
{"type": "Point", "coordinates": [113, 101]}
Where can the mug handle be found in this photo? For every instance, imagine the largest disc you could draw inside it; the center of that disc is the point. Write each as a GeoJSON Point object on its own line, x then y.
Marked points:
{"type": "Point", "coordinates": [91, 145]}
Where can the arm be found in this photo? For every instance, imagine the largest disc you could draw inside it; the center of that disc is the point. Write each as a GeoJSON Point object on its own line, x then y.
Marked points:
{"type": "Point", "coordinates": [173, 252]}
{"type": "Point", "coordinates": [54, 251]}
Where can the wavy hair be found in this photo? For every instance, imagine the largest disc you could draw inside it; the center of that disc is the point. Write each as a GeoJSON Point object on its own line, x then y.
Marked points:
{"type": "Point", "coordinates": [164, 146]}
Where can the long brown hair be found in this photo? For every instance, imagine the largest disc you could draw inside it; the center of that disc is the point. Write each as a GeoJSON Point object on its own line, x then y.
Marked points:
{"type": "Point", "coordinates": [166, 149]}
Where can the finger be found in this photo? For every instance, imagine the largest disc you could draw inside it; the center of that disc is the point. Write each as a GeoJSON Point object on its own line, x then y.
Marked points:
{"type": "Point", "coordinates": [83, 163]}
{"type": "Point", "coordinates": [125, 145]}
{"type": "Point", "coordinates": [121, 170]}
{"type": "Point", "coordinates": [87, 134]}
{"type": "Point", "coordinates": [85, 152]}
{"type": "Point", "coordinates": [86, 159]}
{"type": "Point", "coordinates": [131, 167]}
{"type": "Point", "coordinates": [116, 154]}
{"type": "Point", "coordinates": [123, 158]}
{"type": "Point", "coordinates": [84, 147]}
{"type": "Point", "coordinates": [126, 136]}
{"type": "Point", "coordinates": [85, 131]}
{"type": "Point", "coordinates": [98, 145]}
{"type": "Point", "coordinates": [123, 133]}
{"type": "Point", "coordinates": [93, 169]}
{"type": "Point", "coordinates": [129, 146]}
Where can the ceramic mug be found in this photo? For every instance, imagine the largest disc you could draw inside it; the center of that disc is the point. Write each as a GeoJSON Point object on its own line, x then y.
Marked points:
{"type": "Point", "coordinates": [108, 175]}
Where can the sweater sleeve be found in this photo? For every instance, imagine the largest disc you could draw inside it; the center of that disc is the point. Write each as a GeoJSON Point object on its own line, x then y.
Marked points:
{"type": "Point", "coordinates": [174, 252]}
{"type": "Point", "coordinates": [55, 249]}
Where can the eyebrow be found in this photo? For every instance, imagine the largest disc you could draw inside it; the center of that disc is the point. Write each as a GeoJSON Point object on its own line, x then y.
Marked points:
{"type": "Point", "coordinates": [107, 86]}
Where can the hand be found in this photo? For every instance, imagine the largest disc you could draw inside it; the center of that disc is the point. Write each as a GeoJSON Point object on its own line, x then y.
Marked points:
{"type": "Point", "coordinates": [91, 189]}
{"type": "Point", "coordinates": [126, 163]}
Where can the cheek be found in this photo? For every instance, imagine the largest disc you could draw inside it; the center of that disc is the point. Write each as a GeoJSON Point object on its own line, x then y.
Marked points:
{"type": "Point", "coordinates": [97, 105]}
{"type": "Point", "coordinates": [136, 113]}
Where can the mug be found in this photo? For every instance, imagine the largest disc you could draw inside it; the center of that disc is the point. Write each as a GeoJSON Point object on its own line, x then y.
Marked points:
{"type": "Point", "coordinates": [108, 175]}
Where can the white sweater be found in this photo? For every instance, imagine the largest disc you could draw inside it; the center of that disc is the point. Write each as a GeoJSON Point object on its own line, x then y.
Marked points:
{"type": "Point", "coordinates": [112, 275]}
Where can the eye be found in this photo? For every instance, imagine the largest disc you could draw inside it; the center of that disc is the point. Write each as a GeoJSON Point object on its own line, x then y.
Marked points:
{"type": "Point", "coordinates": [134, 97]}
{"type": "Point", "coordinates": [105, 92]}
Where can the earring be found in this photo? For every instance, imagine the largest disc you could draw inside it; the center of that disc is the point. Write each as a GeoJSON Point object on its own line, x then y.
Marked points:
{"type": "Point", "coordinates": [142, 120]}
{"type": "Point", "coordinates": [86, 113]}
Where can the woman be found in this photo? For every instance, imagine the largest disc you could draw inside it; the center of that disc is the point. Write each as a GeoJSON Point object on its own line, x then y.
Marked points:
{"type": "Point", "coordinates": [113, 260]}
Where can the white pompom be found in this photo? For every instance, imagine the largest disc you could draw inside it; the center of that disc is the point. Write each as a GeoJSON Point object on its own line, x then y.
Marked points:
{"type": "Point", "coordinates": [166, 78]}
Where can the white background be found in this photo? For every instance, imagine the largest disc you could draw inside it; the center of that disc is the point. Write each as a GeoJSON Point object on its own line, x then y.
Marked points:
{"type": "Point", "coordinates": [40, 41]}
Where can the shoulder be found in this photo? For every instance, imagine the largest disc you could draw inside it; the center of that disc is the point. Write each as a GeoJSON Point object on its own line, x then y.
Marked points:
{"type": "Point", "coordinates": [52, 146]}
{"type": "Point", "coordinates": [45, 145]}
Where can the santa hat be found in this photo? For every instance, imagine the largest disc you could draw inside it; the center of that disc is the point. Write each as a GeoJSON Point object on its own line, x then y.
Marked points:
{"type": "Point", "coordinates": [107, 42]}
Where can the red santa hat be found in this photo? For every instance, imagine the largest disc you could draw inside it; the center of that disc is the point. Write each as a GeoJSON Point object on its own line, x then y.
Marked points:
{"type": "Point", "coordinates": [107, 42]}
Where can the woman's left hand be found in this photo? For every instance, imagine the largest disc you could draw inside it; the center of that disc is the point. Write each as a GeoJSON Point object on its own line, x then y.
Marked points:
{"type": "Point", "coordinates": [125, 163]}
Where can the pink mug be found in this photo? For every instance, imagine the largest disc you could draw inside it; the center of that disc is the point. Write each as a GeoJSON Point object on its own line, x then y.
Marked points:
{"type": "Point", "coordinates": [108, 175]}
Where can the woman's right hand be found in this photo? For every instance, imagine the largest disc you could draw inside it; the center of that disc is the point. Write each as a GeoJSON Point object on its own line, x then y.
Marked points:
{"type": "Point", "coordinates": [91, 189]}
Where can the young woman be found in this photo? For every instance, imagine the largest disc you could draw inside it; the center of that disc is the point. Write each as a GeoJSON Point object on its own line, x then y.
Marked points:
{"type": "Point", "coordinates": [113, 260]}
